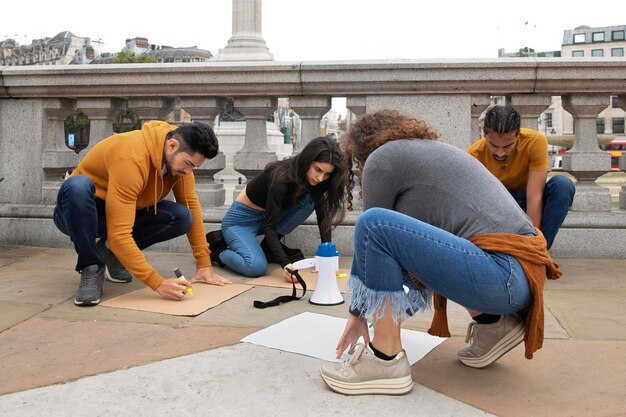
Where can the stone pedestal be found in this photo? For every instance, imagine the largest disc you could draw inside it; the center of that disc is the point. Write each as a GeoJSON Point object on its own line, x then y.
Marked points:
{"type": "Point", "coordinates": [210, 192]}
{"type": "Point", "coordinates": [585, 161]}
{"type": "Point", "coordinates": [530, 106]}
{"type": "Point", "coordinates": [246, 42]}
{"type": "Point", "coordinates": [310, 109]}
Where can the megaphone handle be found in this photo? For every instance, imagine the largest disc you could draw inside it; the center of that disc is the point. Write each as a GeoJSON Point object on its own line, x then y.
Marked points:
{"type": "Point", "coordinates": [304, 264]}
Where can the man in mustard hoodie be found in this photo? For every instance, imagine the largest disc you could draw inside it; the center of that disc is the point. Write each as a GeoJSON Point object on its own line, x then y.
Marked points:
{"type": "Point", "coordinates": [117, 193]}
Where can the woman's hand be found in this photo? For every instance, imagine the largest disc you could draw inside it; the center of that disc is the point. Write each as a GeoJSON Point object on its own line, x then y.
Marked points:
{"type": "Point", "coordinates": [356, 327]}
{"type": "Point", "coordinates": [287, 275]}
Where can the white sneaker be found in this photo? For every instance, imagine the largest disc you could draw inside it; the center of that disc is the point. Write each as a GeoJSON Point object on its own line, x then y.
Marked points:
{"type": "Point", "coordinates": [490, 341]}
{"type": "Point", "coordinates": [364, 373]}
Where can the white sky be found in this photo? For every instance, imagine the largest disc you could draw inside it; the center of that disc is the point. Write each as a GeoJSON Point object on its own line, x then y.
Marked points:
{"type": "Point", "coordinates": [306, 30]}
{"type": "Point", "coordinates": [297, 30]}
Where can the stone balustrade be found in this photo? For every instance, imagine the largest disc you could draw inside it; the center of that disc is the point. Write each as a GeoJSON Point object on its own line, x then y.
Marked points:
{"type": "Point", "coordinates": [449, 94]}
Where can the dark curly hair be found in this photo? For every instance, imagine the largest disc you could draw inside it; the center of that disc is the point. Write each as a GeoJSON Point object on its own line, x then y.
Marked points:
{"type": "Point", "coordinates": [371, 131]}
{"type": "Point", "coordinates": [329, 194]}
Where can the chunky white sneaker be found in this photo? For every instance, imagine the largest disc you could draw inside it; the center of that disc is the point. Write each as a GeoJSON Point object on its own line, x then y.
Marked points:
{"type": "Point", "coordinates": [490, 341]}
{"type": "Point", "coordinates": [364, 373]}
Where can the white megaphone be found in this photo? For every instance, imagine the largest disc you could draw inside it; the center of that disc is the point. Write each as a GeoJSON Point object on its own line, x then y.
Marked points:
{"type": "Point", "coordinates": [326, 262]}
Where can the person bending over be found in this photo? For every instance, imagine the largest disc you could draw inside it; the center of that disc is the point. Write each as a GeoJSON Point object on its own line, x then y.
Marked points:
{"type": "Point", "coordinates": [434, 221]}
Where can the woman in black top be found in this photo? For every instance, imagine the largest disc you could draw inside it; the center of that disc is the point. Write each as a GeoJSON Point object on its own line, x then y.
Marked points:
{"type": "Point", "coordinates": [277, 201]}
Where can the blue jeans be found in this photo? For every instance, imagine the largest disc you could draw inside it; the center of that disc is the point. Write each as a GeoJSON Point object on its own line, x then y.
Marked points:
{"type": "Point", "coordinates": [388, 244]}
{"type": "Point", "coordinates": [242, 224]}
{"type": "Point", "coordinates": [81, 215]}
{"type": "Point", "coordinates": [557, 199]}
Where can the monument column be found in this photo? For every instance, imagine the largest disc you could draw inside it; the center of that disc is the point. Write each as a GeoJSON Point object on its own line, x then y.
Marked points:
{"type": "Point", "coordinates": [358, 106]}
{"type": "Point", "coordinates": [246, 42]}
{"type": "Point", "coordinates": [101, 113]}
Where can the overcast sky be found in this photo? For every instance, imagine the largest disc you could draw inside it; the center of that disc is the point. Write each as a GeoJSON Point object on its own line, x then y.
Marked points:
{"type": "Point", "coordinates": [306, 30]}
{"type": "Point", "coordinates": [297, 30]}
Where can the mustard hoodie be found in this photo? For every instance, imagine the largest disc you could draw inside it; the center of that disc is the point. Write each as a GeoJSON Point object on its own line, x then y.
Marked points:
{"type": "Point", "coordinates": [126, 170]}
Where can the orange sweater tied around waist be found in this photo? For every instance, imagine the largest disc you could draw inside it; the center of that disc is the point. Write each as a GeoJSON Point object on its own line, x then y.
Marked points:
{"type": "Point", "coordinates": [533, 256]}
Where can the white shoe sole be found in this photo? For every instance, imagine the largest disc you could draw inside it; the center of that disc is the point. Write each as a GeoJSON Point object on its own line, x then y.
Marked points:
{"type": "Point", "coordinates": [110, 278]}
{"type": "Point", "coordinates": [514, 338]}
{"type": "Point", "coordinates": [396, 386]}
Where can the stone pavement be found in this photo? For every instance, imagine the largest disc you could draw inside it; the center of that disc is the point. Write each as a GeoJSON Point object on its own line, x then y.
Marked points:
{"type": "Point", "coordinates": [61, 360]}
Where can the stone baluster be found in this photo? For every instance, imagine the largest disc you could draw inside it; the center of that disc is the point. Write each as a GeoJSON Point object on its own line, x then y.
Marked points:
{"type": "Point", "coordinates": [102, 113]}
{"type": "Point", "coordinates": [585, 161]}
{"type": "Point", "coordinates": [57, 158]}
{"type": "Point", "coordinates": [151, 108]}
{"type": "Point", "coordinates": [310, 109]}
{"type": "Point", "coordinates": [530, 106]}
{"type": "Point", "coordinates": [358, 106]}
{"type": "Point", "coordinates": [205, 110]}
{"type": "Point", "coordinates": [255, 154]}
{"type": "Point", "coordinates": [479, 105]}
{"type": "Point", "coordinates": [622, 159]}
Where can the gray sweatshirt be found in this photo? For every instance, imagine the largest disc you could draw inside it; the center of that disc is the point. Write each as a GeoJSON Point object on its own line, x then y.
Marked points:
{"type": "Point", "coordinates": [442, 185]}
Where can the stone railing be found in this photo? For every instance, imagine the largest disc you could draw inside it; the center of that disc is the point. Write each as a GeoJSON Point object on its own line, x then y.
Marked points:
{"type": "Point", "coordinates": [449, 94]}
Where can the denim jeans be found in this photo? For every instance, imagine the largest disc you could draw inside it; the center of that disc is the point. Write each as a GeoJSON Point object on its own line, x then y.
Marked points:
{"type": "Point", "coordinates": [388, 244]}
{"type": "Point", "coordinates": [242, 224]}
{"type": "Point", "coordinates": [81, 215]}
{"type": "Point", "coordinates": [557, 199]}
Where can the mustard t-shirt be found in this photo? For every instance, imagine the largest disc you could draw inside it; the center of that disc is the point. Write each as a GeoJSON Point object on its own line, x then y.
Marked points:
{"type": "Point", "coordinates": [530, 154]}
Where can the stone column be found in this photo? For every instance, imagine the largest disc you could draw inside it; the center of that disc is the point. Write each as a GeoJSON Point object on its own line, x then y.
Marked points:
{"type": "Point", "coordinates": [310, 109]}
{"type": "Point", "coordinates": [622, 159]}
{"type": "Point", "coordinates": [585, 161]}
{"type": "Point", "coordinates": [210, 192]}
{"type": "Point", "coordinates": [57, 158]}
{"type": "Point", "coordinates": [102, 113]}
{"type": "Point", "coordinates": [479, 104]}
{"type": "Point", "coordinates": [530, 106]}
{"type": "Point", "coordinates": [246, 42]}
{"type": "Point", "coordinates": [255, 154]}
{"type": "Point", "coordinates": [151, 108]}
{"type": "Point", "coordinates": [358, 106]}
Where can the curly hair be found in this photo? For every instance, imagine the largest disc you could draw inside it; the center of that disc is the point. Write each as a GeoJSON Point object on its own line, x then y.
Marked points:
{"type": "Point", "coordinates": [371, 131]}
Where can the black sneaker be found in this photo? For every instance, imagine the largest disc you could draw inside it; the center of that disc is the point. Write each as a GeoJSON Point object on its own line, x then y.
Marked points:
{"type": "Point", "coordinates": [114, 271]}
{"type": "Point", "coordinates": [217, 245]}
{"type": "Point", "coordinates": [90, 288]}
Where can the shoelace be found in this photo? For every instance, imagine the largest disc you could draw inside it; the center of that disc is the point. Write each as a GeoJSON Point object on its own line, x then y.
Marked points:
{"type": "Point", "coordinates": [471, 329]}
{"type": "Point", "coordinates": [358, 352]}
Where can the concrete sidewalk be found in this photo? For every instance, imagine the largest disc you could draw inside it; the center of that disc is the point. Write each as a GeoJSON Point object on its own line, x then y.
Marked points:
{"type": "Point", "coordinates": [61, 360]}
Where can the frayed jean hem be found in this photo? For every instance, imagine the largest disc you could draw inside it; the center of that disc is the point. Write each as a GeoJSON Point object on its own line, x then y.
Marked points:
{"type": "Point", "coordinates": [373, 303]}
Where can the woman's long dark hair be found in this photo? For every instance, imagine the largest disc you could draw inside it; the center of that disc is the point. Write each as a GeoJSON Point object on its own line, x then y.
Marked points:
{"type": "Point", "coordinates": [329, 194]}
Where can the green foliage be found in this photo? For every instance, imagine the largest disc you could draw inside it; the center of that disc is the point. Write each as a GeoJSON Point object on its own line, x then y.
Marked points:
{"type": "Point", "coordinates": [125, 57]}
{"type": "Point", "coordinates": [76, 121]}
{"type": "Point", "coordinates": [343, 124]}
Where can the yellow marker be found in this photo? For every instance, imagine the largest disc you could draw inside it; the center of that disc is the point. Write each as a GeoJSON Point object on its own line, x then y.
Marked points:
{"type": "Point", "coordinates": [342, 276]}
{"type": "Point", "coordinates": [179, 275]}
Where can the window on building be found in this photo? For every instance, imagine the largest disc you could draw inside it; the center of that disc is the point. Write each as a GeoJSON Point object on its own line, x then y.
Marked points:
{"type": "Point", "coordinates": [617, 35]}
{"type": "Point", "coordinates": [578, 54]}
{"type": "Point", "coordinates": [597, 52]}
{"type": "Point", "coordinates": [597, 37]}
{"type": "Point", "coordinates": [579, 38]}
{"type": "Point", "coordinates": [615, 102]}
{"type": "Point", "coordinates": [617, 51]}
{"type": "Point", "coordinates": [618, 125]}
{"type": "Point", "coordinates": [548, 119]}
{"type": "Point", "coordinates": [599, 125]}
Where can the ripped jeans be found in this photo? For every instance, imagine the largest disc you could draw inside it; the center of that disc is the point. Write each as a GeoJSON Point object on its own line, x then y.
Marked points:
{"type": "Point", "coordinates": [389, 244]}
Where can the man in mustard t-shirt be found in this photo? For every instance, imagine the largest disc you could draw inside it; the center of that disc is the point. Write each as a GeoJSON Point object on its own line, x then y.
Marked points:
{"type": "Point", "coordinates": [518, 157]}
